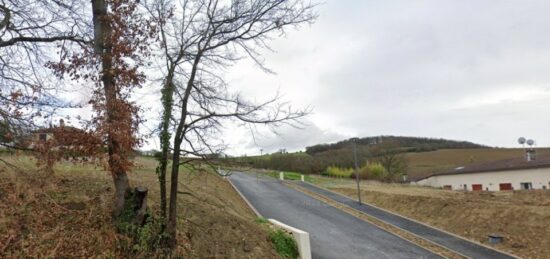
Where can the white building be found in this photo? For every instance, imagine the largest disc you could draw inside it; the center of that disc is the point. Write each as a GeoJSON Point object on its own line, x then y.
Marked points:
{"type": "Point", "coordinates": [511, 174]}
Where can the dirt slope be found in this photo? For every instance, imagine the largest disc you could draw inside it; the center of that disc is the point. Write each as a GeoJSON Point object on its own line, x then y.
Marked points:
{"type": "Point", "coordinates": [68, 215]}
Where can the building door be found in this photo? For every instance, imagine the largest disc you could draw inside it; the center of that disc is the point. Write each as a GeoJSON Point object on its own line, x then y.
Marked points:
{"type": "Point", "coordinates": [505, 186]}
{"type": "Point", "coordinates": [526, 186]}
{"type": "Point", "coordinates": [477, 187]}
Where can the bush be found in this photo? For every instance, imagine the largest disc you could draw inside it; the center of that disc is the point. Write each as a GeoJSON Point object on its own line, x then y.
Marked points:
{"type": "Point", "coordinates": [372, 171]}
{"type": "Point", "coordinates": [338, 172]}
{"type": "Point", "coordinates": [147, 239]}
{"type": "Point", "coordinates": [284, 244]}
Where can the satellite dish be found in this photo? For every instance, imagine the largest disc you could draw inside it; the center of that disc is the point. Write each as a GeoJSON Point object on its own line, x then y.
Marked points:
{"type": "Point", "coordinates": [522, 140]}
{"type": "Point", "coordinates": [530, 142]}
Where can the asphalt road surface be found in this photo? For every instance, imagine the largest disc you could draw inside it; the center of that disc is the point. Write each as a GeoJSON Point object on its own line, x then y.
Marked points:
{"type": "Point", "coordinates": [454, 243]}
{"type": "Point", "coordinates": [333, 233]}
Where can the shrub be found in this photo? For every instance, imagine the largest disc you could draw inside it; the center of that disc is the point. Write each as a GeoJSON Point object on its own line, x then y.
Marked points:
{"type": "Point", "coordinates": [284, 244]}
{"type": "Point", "coordinates": [372, 171]}
{"type": "Point", "coordinates": [339, 172]}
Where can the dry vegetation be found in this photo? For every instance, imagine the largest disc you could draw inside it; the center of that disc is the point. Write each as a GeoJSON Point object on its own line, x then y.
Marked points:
{"type": "Point", "coordinates": [522, 217]}
{"type": "Point", "coordinates": [69, 215]}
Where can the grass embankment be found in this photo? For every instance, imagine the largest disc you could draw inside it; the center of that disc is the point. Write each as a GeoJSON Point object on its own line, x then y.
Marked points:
{"type": "Point", "coordinates": [520, 216]}
{"type": "Point", "coordinates": [284, 243]}
{"type": "Point", "coordinates": [68, 215]}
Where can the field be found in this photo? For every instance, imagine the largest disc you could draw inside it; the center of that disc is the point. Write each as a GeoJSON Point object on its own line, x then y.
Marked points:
{"type": "Point", "coordinates": [68, 215]}
{"type": "Point", "coordinates": [425, 163]}
{"type": "Point", "coordinates": [522, 217]}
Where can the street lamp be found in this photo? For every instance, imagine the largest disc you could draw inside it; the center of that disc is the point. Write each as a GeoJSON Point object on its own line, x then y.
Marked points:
{"type": "Point", "coordinates": [354, 140]}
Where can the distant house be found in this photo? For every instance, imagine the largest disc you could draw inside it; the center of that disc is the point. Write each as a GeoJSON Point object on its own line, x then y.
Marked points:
{"type": "Point", "coordinates": [509, 174]}
{"type": "Point", "coordinates": [63, 136]}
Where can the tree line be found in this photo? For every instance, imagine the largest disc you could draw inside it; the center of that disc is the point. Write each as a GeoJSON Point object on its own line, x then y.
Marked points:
{"type": "Point", "coordinates": [387, 151]}
{"type": "Point", "coordinates": [411, 144]}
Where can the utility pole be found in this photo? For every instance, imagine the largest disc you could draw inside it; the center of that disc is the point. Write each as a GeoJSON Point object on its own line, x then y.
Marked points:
{"type": "Point", "coordinates": [261, 151]}
{"type": "Point", "coordinates": [356, 168]}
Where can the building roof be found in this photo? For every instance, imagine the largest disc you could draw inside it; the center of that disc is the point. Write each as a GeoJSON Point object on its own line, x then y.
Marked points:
{"type": "Point", "coordinates": [70, 136]}
{"type": "Point", "coordinates": [495, 166]}
{"type": "Point", "coordinates": [56, 129]}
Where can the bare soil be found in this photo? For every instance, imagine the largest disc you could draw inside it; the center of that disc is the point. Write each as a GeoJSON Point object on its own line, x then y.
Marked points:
{"type": "Point", "coordinates": [67, 215]}
{"type": "Point", "coordinates": [522, 217]}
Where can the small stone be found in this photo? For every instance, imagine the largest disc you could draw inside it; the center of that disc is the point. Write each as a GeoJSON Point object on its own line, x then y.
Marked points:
{"type": "Point", "coordinates": [516, 245]}
{"type": "Point", "coordinates": [75, 205]}
{"type": "Point", "coordinates": [246, 247]}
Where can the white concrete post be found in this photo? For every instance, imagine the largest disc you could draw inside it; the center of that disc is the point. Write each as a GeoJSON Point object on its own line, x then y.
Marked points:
{"type": "Point", "coordinates": [281, 176]}
{"type": "Point", "coordinates": [302, 177]}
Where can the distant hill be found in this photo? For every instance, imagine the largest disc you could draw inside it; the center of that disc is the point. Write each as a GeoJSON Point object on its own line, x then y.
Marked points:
{"type": "Point", "coordinates": [317, 158]}
{"type": "Point", "coordinates": [398, 143]}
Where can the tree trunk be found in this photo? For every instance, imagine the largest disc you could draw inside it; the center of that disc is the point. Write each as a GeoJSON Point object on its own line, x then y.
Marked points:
{"type": "Point", "coordinates": [171, 227]}
{"type": "Point", "coordinates": [140, 205]}
{"type": "Point", "coordinates": [102, 34]}
{"type": "Point", "coordinates": [167, 103]}
{"type": "Point", "coordinates": [121, 189]}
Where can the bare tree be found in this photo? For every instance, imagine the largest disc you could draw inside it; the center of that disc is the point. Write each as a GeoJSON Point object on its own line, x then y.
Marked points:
{"type": "Point", "coordinates": [29, 33]}
{"type": "Point", "coordinates": [199, 39]}
{"type": "Point", "coordinates": [395, 164]}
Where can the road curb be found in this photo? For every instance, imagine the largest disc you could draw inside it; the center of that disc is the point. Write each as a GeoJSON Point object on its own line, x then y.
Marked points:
{"type": "Point", "coordinates": [413, 220]}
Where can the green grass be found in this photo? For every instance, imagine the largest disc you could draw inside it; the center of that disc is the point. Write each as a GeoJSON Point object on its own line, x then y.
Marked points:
{"type": "Point", "coordinates": [261, 220]}
{"type": "Point", "coordinates": [284, 244]}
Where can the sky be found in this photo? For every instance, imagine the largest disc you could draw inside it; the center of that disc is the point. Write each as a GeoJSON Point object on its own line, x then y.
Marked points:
{"type": "Point", "coordinates": [474, 70]}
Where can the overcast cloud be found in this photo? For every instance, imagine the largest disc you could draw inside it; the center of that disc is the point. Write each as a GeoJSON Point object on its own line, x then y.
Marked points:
{"type": "Point", "coordinates": [467, 70]}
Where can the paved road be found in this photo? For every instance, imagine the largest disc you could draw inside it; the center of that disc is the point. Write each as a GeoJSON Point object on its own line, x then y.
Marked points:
{"type": "Point", "coordinates": [462, 246]}
{"type": "Point", "coordinates": [333, 233]}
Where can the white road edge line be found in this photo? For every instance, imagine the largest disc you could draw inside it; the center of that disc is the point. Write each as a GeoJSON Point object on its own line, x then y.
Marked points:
{"type": "Point", "coordinates": [245, 199]}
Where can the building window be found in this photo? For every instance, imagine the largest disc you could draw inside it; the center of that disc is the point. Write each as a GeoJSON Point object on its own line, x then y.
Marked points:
{"type": "Point", "coordinates": [526, 186]}
{"type": "Point", "coordinates": [477, 187]}
{"type": "Point", "coordinates": [505, 187]}
{"type": "Point", "coordinates": [43, 137]}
